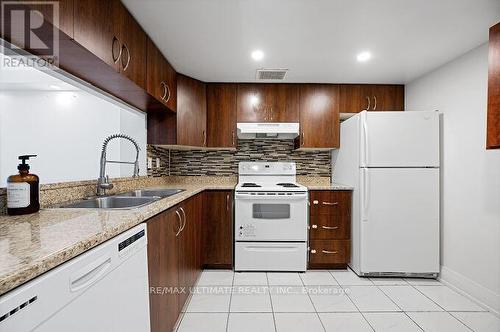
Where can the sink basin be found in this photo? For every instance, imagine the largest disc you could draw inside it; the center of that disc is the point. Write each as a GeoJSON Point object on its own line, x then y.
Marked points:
{"type": "Point", "coordinates": [112, 202]}
{"type": "Point", "coordinates": [162, 193]}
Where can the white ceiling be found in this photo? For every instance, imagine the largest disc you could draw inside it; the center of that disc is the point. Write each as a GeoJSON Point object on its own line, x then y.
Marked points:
{"type": "Point", "coordinates": [316, 39]}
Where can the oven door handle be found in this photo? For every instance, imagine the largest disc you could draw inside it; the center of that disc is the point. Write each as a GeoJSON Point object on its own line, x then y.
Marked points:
{"type": "Point", "coordinates": [285, 198]}
{"type": "Point", "coordinates": [271, 248]}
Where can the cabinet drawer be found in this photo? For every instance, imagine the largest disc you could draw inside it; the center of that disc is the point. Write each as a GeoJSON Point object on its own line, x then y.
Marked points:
{"type": "Point", "coordinates": [330, 203]}
{"type": "Point", "coordinates": [329, 251]}
{"type": "Point", "coordinates": [325, 226]}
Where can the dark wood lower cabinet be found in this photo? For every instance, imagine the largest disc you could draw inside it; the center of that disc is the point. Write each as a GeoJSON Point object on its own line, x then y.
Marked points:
{"type": "Point", "coordinates": [329, 253]}
{"type": "Point", "coordinates": [189, 249]}
{"type": "Point", "coordinates": [175, 247]}
{"type": "Point", "coordinates": [329, 229]}
{"type": "Point", "coordinates": [163, 265]}
{"type": "Point", "coordinates": [174, 261]}
{"type": "Point", "coordinates": [218, 229]}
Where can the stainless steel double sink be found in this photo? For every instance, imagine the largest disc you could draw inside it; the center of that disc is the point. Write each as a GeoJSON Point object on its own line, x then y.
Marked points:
{"type": "Point", "coordinates": [128, 200]}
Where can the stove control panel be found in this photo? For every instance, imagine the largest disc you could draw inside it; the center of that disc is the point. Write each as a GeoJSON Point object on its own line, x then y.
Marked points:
{"type": "Point", "coordinates": [246, 231]}
{"type": "Point", "coordinates": [267, 168]}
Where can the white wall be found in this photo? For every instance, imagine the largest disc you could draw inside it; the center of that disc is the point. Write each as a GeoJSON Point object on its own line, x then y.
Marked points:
{"type": "Point", "coordinates": [470, 174]}
{"type": "Point", "coordinates": [66, 130]}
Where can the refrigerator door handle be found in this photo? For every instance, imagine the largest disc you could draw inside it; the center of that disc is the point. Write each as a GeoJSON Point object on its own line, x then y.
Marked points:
{"type": "Point", "coordinates": [365, 194]}
{"type": "Point", "coordinates": [365, 147]}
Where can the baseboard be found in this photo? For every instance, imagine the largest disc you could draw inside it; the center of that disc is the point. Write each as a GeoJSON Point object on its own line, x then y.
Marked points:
{"type": "Point", "coordinates": [471, 289]}
{"type": "Point", "coordinates": [218, 266]}
{"type": "Point", "coordinates": [313, 266]}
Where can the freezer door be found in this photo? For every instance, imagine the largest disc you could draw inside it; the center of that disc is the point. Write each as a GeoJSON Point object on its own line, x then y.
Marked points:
{"type": "Point", "coordinates": [399, 139]}
{"type": "Point", "coordinates": [399, 220]}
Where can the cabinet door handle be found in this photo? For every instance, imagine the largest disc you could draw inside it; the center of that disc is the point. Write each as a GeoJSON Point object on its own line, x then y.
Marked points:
{"type": "Point", "coordinates": [168, 94]}
{"type": "Point", "coordinates": [129, 56]}
{"type": "Point", "coordinates": [328, 227]}
{"type": "Point", "coordinates": [180, 223]}
{"type": "Point", "coordinates": [375, 103]}
{"type": "Point", "coordinates": [227, 202]}
{"type": "Point", "coordinates": [314, 226]}
{"type": "Point", "coordinates": [184, 214]}
{"type": "Point", "coordinates": [329, 203]}
{"type": "Point", "coordinates": [234, 139]}
{"type": "Point", "coordinates": [204, 133]}
{"type": "Point", "coordinates": [329, 252]}
{"type": "Point", "coordinates": [271, 113]}
{"type": "Point", "coordinates": [313, 251]}
{"type": "Point", "coordinates": [164, 86]}
{"type": "Point", "coordinates": [369, 103]}
{"type": "Point", "coordinates": [303, 139]}
{"type": "Point", "coordinates": [113, 43]}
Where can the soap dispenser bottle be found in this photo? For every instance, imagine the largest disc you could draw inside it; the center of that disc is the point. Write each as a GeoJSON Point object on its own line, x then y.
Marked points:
{"type": "Point", "coordinates": [23, 190]}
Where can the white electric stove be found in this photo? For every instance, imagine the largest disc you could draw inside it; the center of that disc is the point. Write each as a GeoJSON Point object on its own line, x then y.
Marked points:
{"type": "Point", "coordinates": [271, 214]}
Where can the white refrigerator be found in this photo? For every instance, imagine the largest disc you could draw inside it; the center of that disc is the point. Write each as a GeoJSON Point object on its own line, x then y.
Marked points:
{"type": "Point", "coordinates": [392, 161]}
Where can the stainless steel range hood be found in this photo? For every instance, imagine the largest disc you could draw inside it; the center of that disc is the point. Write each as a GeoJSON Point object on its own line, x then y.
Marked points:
{"type": "Point", "coordinates": [268, 130]}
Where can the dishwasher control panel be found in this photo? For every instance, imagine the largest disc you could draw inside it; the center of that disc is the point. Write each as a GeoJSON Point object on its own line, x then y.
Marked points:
{"type": "Point", "coordinates": [124, 244]}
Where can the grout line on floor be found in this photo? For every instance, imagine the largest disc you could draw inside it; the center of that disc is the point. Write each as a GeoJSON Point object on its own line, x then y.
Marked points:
{"type": "Point", "coordinates": [347, 294]}
{"type": "Point", "coordinates": [230, 299]}
{"type": "Point", "coordinates": [417, 324]}
{"type": "Point", "coordinates": [420, 327]}
{"type": "Point", "coordinates": [310, 299]}
{"type": "Point", "coordinates": [455, 318]}
{"type": "Point", "coordinates": [418, 290]}
{"type": "Point", "coordinates": [458, 318]}
{"type": "Point", "coordinates": [271, 299]}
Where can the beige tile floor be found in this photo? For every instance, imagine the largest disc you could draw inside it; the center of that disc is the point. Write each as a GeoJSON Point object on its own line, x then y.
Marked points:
{"type": "Point", "coordinates": [322, 301]}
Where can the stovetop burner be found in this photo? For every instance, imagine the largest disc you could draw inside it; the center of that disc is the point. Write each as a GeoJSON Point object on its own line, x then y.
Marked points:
{"type": "Point", "coordinates": [250, 185]}
{"type": "Point", "coordinates": [288, 185]}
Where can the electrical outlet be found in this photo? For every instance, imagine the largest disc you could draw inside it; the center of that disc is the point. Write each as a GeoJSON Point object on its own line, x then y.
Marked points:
{"type": "Point", "coordinates": [150, 162]}
{"type": "Point", "coordinates": [157, 162]}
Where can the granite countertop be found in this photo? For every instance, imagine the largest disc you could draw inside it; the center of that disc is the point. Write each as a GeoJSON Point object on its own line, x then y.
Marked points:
{"type": "Point", "coordinates": [33, 244]}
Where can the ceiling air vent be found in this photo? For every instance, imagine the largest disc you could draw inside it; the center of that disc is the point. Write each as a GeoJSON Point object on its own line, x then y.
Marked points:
{"type": "Point", "coordinates": [271, 74]}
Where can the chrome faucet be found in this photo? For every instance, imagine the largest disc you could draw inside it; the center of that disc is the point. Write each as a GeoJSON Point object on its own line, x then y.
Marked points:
{"type": "Point", "coordinates": [103, 182]}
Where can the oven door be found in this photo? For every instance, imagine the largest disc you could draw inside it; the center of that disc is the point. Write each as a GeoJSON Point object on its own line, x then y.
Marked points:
{"type": "Point", "coordinates": [277, 216]}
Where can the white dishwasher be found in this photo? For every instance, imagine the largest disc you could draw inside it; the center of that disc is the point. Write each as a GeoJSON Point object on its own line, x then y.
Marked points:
{"type": "Point", "coordinates": [104, 289]}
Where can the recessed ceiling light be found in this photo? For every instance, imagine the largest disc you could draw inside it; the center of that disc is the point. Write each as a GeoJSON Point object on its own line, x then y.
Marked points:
{"type": "Point", "coordinates": [257, 55]}
{"type": "Point", "coordinates": [364, 56]}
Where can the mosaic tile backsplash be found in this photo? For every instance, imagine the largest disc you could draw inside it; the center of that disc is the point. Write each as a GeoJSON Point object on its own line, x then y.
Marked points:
{"type": "Point", "coordinates": [223, 162]}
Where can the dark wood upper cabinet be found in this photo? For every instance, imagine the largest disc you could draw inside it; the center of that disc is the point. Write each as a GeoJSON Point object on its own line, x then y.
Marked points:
{"type": "Point", "coordinates": [161, 77]}
{"type": "Point", "coordinates": [191, 112]}
{"type": "Point", "coordinates": [388, 98]}
{"type": "Point", "coordinates": [132, 62]}
{"type": "Point", "coordinates": [94, 29]}
{"type": "Point", "coordinates": [493, 135]}
{"type": "Point", "coordinates": [221, 115]}
{"type": "Point", "coordinates": [268, 102]}
{"type": "Point", "coordinates": [355, 98]}
{"type": "Point", "coordinates": [109, 31]}
{"type": "Point", "coordinates": [64, 24]}
{"type": "Point", "coordinates": [218, 229]}
{"type": "Point", "coordinates": [319, 117]}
